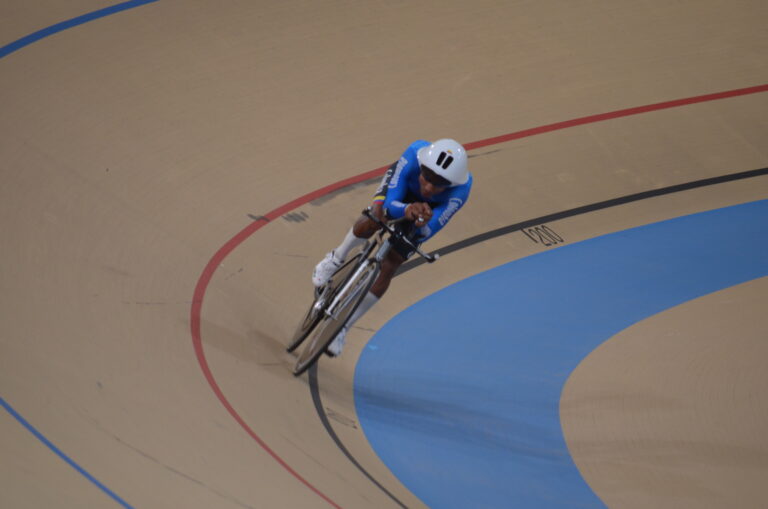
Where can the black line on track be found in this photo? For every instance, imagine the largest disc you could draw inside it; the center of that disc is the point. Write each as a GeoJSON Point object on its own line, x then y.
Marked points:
{"type": "Point", "coordinates": [314, 386]}
{"type": "Point", "coordinates": [412, 264]}
{"type": "Point", "coordinates": [314, 389]}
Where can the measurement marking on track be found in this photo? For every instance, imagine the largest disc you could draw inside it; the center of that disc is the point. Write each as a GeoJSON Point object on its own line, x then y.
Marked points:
{"type": "Point", "coordinates": [543, 234]}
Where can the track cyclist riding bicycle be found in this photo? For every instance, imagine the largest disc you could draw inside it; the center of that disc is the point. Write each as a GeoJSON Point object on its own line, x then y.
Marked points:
{"type": "Point", "coordinates": [427, 185]}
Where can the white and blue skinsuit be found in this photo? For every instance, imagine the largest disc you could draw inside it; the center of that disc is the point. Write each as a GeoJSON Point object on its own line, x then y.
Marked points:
{"type": "Point", "coordinates": [400, 187]}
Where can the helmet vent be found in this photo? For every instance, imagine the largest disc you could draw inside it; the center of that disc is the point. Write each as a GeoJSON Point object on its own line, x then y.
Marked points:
{"type": "Point", "coordinates": [444, 160]}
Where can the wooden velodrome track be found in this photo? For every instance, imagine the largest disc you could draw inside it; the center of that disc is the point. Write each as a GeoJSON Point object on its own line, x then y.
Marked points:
{"type": "Point", "coordinates": [165, 172]}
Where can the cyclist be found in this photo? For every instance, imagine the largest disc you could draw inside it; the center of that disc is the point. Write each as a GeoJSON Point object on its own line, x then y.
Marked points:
{"type": "Point", "coordinates": [427, 185]}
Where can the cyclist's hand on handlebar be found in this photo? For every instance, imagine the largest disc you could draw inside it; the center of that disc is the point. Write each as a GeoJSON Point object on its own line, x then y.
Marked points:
{"type": "Point", "coordinates": [419, 213]}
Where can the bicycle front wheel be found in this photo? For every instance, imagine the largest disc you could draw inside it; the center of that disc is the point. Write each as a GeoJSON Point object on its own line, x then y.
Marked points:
{"type": "Point", "coordinates": [310, 320]}
{"type": "Point", "coordinates": [344, 304]}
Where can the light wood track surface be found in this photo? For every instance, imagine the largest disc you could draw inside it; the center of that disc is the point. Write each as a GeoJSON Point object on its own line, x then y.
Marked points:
{"type": "Point", "coordinates": [135, 146]}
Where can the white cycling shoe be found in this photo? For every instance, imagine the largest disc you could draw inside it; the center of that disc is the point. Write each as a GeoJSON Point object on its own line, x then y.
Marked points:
{"type": "Point", "coordinates": [337, 345]}
{"type": "Point", "coordinates": [325, 269]}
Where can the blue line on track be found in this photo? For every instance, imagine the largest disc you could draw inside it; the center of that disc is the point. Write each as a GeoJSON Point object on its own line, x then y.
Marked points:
{"type": "Point", "coordinates": [64, 25]}
{"type": "Point", "coordinates": [5, 51]}
{"type": "Point", "coordinates": [63, 456]}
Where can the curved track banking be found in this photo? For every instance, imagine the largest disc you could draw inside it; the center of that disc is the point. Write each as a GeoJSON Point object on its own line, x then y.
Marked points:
{"type": "Point", "coordinates": [131, 142]}
{"type": "Point", "coordinates": [218, 259]}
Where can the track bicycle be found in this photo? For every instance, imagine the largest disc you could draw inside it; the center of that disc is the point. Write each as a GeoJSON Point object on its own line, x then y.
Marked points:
{"type": "Point", "coordinates": [336, 301]}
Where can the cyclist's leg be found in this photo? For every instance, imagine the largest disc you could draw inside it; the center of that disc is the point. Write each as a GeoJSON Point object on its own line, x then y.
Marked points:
{"type": "Point", "coordinates": [334, 259]}
{"type": "Point", "coordinates": [399, 253]}
{"type": "Point", "coordinates": [334, 349]}
{"type": "Point", "coordinates": [361, 231]}
{"type": "Point", "coordinates": [389, 267]}
{"type": "Point", "coordinates": [364, 227]}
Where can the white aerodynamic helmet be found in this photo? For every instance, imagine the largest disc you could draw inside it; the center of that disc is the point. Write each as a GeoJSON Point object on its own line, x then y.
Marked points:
{"type": "Point", "coordinates": [447, 158]}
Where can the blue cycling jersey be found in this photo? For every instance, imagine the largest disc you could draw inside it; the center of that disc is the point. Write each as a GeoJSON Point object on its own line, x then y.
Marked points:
{"type": "Point", "coordinates": [402, 188]}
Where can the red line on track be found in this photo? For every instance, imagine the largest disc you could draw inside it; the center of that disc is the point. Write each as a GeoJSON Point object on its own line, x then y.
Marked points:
{"type": "Point", "coordinates": [223, 252]}
{"type": "Point", "coordinates": [615, 114]}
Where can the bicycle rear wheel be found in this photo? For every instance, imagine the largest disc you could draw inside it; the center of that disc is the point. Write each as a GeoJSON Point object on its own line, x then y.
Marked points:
{"type": "Point", "coordinates": [323, 297]}
{"type": "Point", "coordinates": [349, 297]}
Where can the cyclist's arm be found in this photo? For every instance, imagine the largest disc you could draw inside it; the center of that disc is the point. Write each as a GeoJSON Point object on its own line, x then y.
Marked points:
{"type": "Point", "coordinates": [443, 213]}
{"type": "Point", "coordinates": [396, 191]}
{"type": "Point", "coordinates": [398, 183]}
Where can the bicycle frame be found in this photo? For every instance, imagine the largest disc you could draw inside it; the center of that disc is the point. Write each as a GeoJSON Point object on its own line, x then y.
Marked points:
{"type": "Point", "coordinates": [346, 293]}
{"type": "Point", "coordinates": [383, 248]}
{"type": "Point", "coordinates": [384, 245]}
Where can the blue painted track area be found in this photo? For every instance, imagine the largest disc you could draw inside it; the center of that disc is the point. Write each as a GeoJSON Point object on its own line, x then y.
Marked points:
{"type": "Point", "coordinates": [459, 394]}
